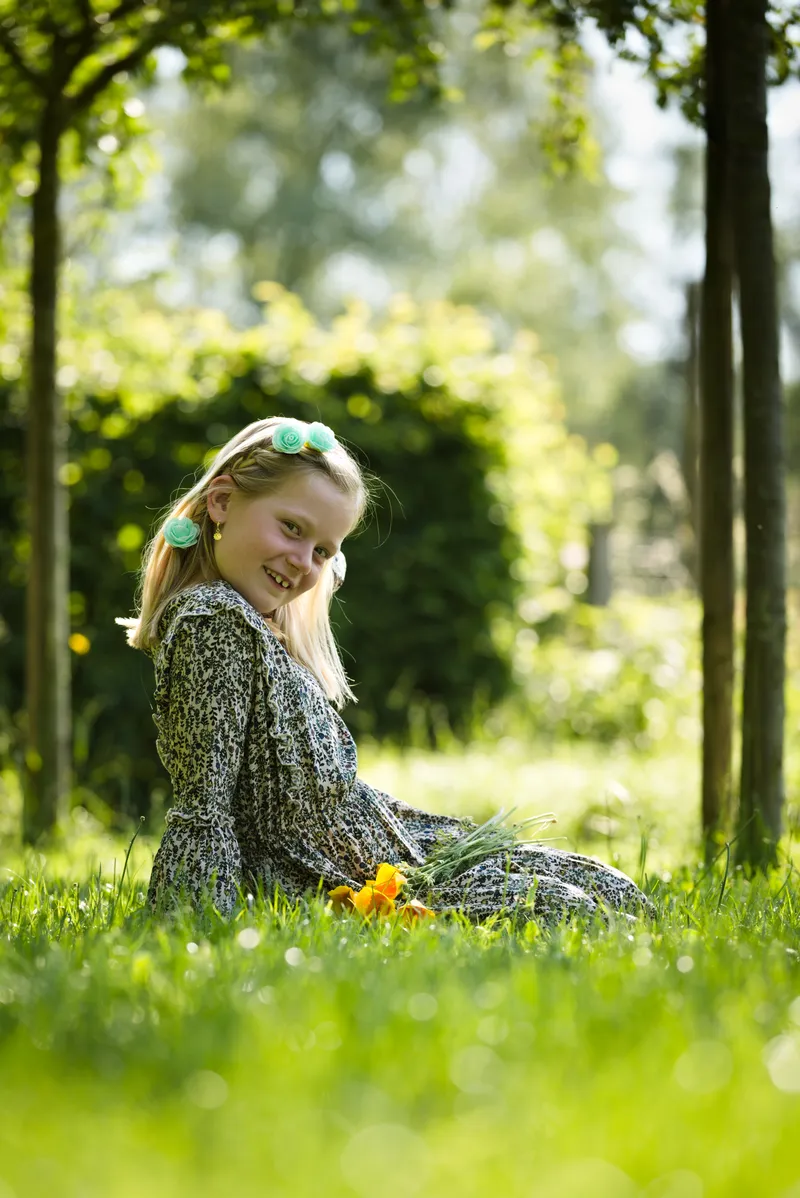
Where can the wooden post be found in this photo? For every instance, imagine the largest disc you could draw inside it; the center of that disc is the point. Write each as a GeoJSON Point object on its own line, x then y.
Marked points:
{"type": "Point", "coordinates": [598, 592]}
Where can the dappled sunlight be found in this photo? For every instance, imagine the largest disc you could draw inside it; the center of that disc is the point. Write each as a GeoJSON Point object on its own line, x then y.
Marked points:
{"type": "Point", "coordinates": [381, 1037]}
{"type": "Point", "coordinates": [604, 801]}
{"type": "Point", "coordinates": [502, 287]}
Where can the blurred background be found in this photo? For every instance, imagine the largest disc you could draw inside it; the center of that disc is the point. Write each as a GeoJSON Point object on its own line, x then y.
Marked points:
{"type": "Point", "coordinates": [509, 343]}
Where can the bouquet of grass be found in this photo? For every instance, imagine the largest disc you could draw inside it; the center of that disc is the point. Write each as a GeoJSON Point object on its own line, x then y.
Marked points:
{"type": "Point", "coordinates": [452, 857]}
{"type": "Point", "coordinates": [449, 858]}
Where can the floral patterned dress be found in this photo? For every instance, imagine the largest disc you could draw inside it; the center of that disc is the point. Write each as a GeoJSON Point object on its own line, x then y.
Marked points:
{"type": "Point", "coordinates": [264, 774]}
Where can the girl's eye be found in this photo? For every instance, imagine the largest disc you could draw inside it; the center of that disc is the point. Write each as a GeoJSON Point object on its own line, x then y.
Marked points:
{"type": "Point", "coordinates": [320, 549]}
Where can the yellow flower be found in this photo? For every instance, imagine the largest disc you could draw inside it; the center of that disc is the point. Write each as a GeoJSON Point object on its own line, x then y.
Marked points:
{"type": "Point", "coordinates": [370, 900]}
{"type": "Point", "coordinates": [377, 897]}
{"type": "Point", "coordinates": [343, 898]}
{"type": "Point", "coordinates": [388, 880]}
{"type": "Point", "coordinates": [414, 910]}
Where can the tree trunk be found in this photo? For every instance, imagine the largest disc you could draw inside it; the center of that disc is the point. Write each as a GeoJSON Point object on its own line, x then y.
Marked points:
{"type": "Point", "coordinates": [691, 426]}
{"type": "Point", "coordinates": [716, 570]}
{"type": "Point", "coordinates": [47, 652]}
{"type": "Point", "coordinates": [762, 790]}
{"type": "Point", "coordinates": [600, 579]}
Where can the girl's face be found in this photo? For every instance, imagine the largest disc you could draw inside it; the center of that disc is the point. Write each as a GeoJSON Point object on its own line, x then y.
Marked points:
{"type": "Point", "coordinates": [286, 537]}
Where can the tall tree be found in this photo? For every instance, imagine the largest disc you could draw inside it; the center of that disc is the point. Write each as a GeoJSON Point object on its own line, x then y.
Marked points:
{"type": "Point", "coordinates": [762, 787]}
{"type": "Point", "coordinates": [717, 579]}
{"type": "Point", "coordinates": [64, 65]}
{"type": "Point", "coordinates": [753, 35]}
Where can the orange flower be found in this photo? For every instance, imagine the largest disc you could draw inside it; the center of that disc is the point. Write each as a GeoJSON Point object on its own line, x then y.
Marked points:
{"type": "Point", "coordinates": [388, 880]}
{"type": "Point", "coordinates": [413, 910]}
{"type": "Point", "coordinates": [343, 898]}
{"type": "Point", "coordinates": [377, 897]}
{"type": "Point", "coordinates": [369, 899]}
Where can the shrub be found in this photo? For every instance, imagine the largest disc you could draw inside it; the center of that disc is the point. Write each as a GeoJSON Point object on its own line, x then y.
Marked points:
{"type": "Point", "coordinates": [629, 672]}
{"type": "Point", "coordinates": [483, 485]}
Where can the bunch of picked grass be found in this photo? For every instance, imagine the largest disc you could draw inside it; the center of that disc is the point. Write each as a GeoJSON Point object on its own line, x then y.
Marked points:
{"type": "Point", "coordinates": [448, 859]}
{"type": "Point", "coordinates": [452, 857]}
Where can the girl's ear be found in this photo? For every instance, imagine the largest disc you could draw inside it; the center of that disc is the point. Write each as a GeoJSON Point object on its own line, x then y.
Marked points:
{"type": "Point", "coordinates": [219, 497]}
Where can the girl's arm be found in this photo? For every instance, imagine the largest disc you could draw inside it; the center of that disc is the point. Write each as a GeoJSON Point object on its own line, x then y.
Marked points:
{"type": "Point", "coordinates": [210, 660]}
{"type": "Point", "coordinates": [424, 826]}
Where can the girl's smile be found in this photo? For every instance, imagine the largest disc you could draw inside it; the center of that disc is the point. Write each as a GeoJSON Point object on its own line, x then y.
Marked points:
{"type": "Point", "coordinates": [274, 547]}
{"type": "Point", "coordinates": [278, 579]}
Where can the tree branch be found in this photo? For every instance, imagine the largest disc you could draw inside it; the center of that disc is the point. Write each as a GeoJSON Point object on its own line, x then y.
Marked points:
{"type": "Point", "coordinates": [128, 62]}
{"type": "Point", "coordinates": [124, 9]}
{"type": "Point", "coordinates": [86, 13]}
{"type": "Point", "coordinates": [9, 46]}
{"type": "Point", "coordinates": [80, 45]}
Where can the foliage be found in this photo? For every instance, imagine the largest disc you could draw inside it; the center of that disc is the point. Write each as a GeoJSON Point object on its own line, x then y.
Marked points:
{"type": "Point", "coordinates": [483, 483]}
{"type": "Point", "coordinates": [626, 676]}
{"type": "Point", "coordinates": [629, 672]}
{"type": "Point", "coordinates": [328, 186]}
{"type": "Point", "coordinates": [82, 52]}
{"type": "Point", "coordinates": [68, 65]}
{"type": "Point", "coordinates": [667, 37]}
{"type": "Point", "coordinates": [199, 1057]}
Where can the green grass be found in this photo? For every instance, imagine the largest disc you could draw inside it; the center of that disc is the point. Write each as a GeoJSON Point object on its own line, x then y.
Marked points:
{"type": "Point", "coordinates": [605, 800]}
{"type": "Point", "coordinates": [293, 1053]}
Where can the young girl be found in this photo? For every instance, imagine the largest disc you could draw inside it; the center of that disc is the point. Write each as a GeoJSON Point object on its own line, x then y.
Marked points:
{"type": "Point", "coordinates": [237, 585]}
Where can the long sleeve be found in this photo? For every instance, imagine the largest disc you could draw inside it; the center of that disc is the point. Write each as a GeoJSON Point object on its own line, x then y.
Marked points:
{"type": "Point", "coordinates": [206, 668]}
{"type": "Point", "coordinates": [424, 826]}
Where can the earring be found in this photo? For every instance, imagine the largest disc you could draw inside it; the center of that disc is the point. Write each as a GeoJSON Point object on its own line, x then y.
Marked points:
{"type": "Point", "coordinates": [218, 533]}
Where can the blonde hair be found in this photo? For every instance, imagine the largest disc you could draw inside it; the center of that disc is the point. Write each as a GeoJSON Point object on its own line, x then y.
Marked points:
{"type": "Point", "coordinates": [256, 469]}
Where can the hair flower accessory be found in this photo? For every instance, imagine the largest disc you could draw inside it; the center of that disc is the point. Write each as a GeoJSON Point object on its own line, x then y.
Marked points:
{"type": "Point", "coordinates": [320, 437]}
{"type": "Point", "coordinates": [180, 532]}
{"type": "Point", "coordinates": [338, 569]}
{"type": "Point", "coordinates": [289, 437]}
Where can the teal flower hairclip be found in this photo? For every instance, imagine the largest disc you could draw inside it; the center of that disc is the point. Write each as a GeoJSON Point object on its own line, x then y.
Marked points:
{"type": "Point", "coordinates": [180, 532]}
{"type": "Point", "coordinates": [293, 435]}
{"type": "Point", "coordinates": [338, 569]}
{"type": "Point", "coordinates": [289, 437]}
{"type": "Point", "coordinates": [320, 437]}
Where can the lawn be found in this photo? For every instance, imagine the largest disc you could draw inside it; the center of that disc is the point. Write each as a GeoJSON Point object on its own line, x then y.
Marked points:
{"type": "Point", "coordinates": [294, 1052]}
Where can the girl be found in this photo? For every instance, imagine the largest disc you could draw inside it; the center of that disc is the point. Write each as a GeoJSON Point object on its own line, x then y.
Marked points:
{"type": "Point", "coordinates": [237, 585]}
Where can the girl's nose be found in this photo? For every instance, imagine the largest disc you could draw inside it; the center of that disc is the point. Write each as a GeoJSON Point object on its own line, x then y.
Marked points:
{"type": "Point", "coordinates": [300, 557]}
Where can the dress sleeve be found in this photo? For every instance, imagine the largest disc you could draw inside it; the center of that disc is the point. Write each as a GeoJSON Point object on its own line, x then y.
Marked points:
{"type": "Point", "coordinates": [425, 827]}
{"type": "Point", "coordinates": [209, 668]}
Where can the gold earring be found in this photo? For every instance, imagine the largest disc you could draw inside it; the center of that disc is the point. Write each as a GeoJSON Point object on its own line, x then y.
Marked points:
{"type": "Point", "coordinates": [218, 533]}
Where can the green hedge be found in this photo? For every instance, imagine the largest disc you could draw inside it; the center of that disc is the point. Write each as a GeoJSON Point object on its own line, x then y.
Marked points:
{"type": "Point", "coordinates": [432, 584]}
